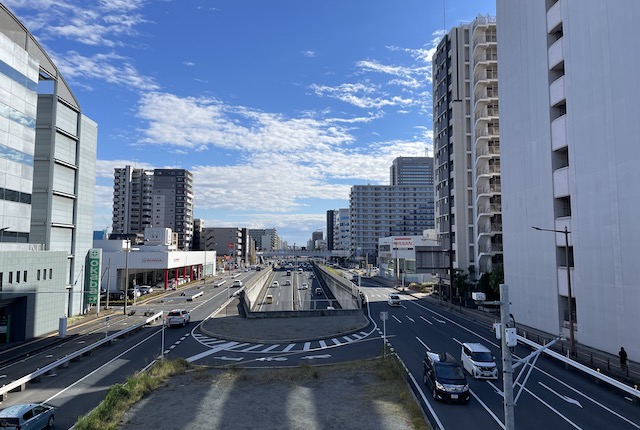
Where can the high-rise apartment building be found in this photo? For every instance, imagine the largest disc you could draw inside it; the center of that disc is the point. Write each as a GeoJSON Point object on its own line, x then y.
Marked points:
{"type": "Point", "coordinates": [332, 216]}
{"type": "Point", "coordinates": [377, 210]}
{"type": "Point", "coordinates": [154, 198]}
{"type": "Point", "coordinates": [265, 239]}
{"type": "Point", "coordinates": [467, 146]}
{"type": "Point", "coordinates": [411, 171]}
{"type": "Point", "coordinates": [47, 181]}
{"type": "Point", "coordinates": [569, 125]}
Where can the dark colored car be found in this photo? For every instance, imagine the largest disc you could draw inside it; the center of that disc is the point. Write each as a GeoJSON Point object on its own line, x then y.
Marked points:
{"type": "Point", "coordinates": [27, 416]}
{"type": "Point", "coordinates": [444, 375]}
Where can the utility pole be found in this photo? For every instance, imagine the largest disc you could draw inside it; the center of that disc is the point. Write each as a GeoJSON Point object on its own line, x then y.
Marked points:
{"type": "Point", "coordinates": [507, 369]}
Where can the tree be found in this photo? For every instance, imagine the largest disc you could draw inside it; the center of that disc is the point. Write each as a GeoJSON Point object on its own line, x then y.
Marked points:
{"type": "Point", "coordinates": [496, 277]}
{"type": "Point", "coordinates": [460, 283]}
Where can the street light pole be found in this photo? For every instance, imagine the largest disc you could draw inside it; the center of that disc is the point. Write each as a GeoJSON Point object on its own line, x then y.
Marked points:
{"type": "Point", "coordinates": [572, 346]}
{"type": "Point", "coordinates": [126, 277]}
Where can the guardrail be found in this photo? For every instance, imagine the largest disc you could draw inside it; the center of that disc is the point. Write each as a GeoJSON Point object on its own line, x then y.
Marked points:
{"type": "Point", "coordinates": [21, 382]}
{"type": "Point", "coordinates": [609, 380]}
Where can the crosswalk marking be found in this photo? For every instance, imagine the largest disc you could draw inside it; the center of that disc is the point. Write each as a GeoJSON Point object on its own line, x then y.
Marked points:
{"type": "Point", "coordinates": [253, 347]}
{"type": "Point", "coordinates": [323, 344]}
{"type": "Point", "coordinates": [271, 347]}
{"type": "Point", "coordinates": [289, 347]}
{"type": "Point", "coordinates": [307, 346]}
{"type": "Point", "coordinates": [348, 339]}
{"type": "Point", "coordinates": [336, 341]}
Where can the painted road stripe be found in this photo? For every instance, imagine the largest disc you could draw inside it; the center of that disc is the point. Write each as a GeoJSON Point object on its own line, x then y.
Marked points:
{"type": "Point", "coordinates": [323, 344]}
{"type": "Point", "coordinates": [253, 347]}
{"type": "Point", "coordinates": [289, 347]}
{"type": "Point", "coordinates": [271, 347]}
{"type": "Point", "coordinates": [348, 339]}
{"type": "Point", "coordinates": [336, 341]}
{"type": "Point", "coordinates": [307, 346]}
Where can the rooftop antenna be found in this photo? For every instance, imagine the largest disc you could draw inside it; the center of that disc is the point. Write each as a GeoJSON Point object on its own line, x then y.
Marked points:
{"type": "Point", "coordinates": [444, 15]}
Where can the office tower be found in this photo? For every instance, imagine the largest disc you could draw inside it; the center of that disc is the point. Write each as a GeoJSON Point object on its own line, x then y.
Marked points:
{"type": "Point", "coordinates": [341, 231]}
{"type": "Point", "coordinates": [467, 146]}
{"type": "Point", "coordinates": [47, 181]}
{"type": "Point", "coordinates": [411, 171]}
{"type": "Point", "coordinates": [154, 198]}
{"type": "Point", "coordinates": [569, 125]}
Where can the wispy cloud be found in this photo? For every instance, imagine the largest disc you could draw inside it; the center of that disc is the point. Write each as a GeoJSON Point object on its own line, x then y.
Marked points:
{"type": "Point", "coordinates": [310, 53]}
{"type": "Point", "coordinates": [104, 23]}
{"type": "Point", "coordinates": [110, 67]}
{"type": "Point", "coordinates": [189, 63]}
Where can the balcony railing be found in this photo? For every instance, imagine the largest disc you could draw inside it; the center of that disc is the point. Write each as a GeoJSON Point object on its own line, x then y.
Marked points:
{"type": "Point", "coordinates": [488, 150]}
{"type": "Point", "coordinates": [485, 112]}
{"type": "Point", "coordinates": [494, 188]}
{"type": "Point", "coordinates": [488, 93]}
{"type": "Point", "coordinates": [490, 208]}
{"type": "Point", "coordinates": [488, 131]}
{"type": "Point", "coordinates": [485, 38]}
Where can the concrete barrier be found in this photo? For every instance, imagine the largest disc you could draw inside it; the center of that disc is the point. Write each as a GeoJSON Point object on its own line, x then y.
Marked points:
{"type": "Point", "coordinates": [220, 283]}
{"type": "Point", "coordinates": [195, 296]}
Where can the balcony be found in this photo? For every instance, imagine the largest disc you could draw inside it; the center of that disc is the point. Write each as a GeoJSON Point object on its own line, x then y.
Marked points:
{"type": "Point", "coordinates": [489, 189]}
{"type": "Point", "coordinates": [486, 56]}
{"type": "Point", "coordinates": [490, 132]}
{"type": "Point", "coordinates": [485, 39]}
{"type": "Point", "coordinates": [559, 133]}
{"type": "Point", "coordinates": [557, 92]}
{"type": "Point", "coordinates": [490, 209]}
{"type": "Point", "coordinates": [554, 17]}
{"type": "Point", "coordinates": [561, 182]}
{"type": "Point", "coordinates": [556, 53]}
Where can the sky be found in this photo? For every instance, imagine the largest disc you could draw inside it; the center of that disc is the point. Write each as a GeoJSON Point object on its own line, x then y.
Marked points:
{"type": "Point", "coordinates": [277, 107]}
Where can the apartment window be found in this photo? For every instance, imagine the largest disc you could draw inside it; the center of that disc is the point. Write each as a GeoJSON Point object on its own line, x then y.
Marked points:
{"type": "Point", "coordinates": [45, 274]}
{"type": "Point", "coordinates": [38, 274]}
{"type": "Point", "coordinates": [50, 273]}
{"type": "Point", "coordinates": [24, 276]}
{"type": "Point", "coordinates": [17, 276]}
{"type": "Point", "coordinates": [11, 277]}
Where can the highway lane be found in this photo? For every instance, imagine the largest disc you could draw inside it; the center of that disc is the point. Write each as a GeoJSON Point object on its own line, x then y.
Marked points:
{"type": "Point", "coordinates": [553, 395]}
{"type": "Point", "coordinates": [78, 388]}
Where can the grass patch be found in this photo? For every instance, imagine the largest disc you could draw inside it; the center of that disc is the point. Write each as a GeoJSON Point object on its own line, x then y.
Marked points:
{"type": "Point", "coordinates": [121, 397]}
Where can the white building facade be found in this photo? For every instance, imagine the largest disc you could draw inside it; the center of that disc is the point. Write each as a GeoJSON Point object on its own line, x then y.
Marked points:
{"type": "Point", "coordinates": [568, 113]}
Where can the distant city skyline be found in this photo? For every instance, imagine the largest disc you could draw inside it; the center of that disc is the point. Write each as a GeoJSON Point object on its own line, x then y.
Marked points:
{"type": "Point", "coordinates": [276, 115]}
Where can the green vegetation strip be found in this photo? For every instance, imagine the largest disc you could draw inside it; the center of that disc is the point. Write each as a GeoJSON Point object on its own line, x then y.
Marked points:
{"type": "Point", "coordinates": [121, 397]}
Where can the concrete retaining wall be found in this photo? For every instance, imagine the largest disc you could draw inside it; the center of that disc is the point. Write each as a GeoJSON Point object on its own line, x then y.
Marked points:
{"type": "Point", "coordinates": [251, 292]}
{"type": "Point", "coordinates": [344, 291]}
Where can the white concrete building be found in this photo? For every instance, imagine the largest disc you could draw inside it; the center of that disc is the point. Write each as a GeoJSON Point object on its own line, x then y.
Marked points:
{"type": "Point", "coordinates": [466, 141]}
{"type": "Point", "coordinates": [569, 115]}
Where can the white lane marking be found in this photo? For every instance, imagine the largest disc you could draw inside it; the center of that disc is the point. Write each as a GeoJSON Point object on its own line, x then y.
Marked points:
{"type": "Point", "coordinates": [498, 390]}
{"type": "Point", "coordinates": [425, 320]}
{"type": "Point", "coordinates": [563, 397]}
{"type": "Point", "coordinates": [357, 336]}
{"type": "Point", "coordinates": [552, 408]}
{"type": "Point", "coordinates": [364, 334]}
{"type": "Point", "coordinates": [439, 424]}
{"type": "Point", "coordinates": [252, 347]}
{"type": "Point", "coordinates": [606, 408]}
{"type": "Point", "coordinates": [323, 344]}
{"type": "Point", "coordinates": [336, 341]}
{"type": "Point", "coordinates": [394, 317]}
{"type": "Point", "coordinates": [270, 348]}
{"type": "Point", "coordinates": [423, 344]}
{"type": "Point", "coordinates": [240, 345]}
{"type": "Point", "coordinates": [348, 339]}
{"type": "Point", "coordinates": [307, 346]}
{"type": "Point", "coordinates": [410, 319]}
{"type": "Point", "coordinates": [211, 351]}
{"type": "Point", "coordinates": [440, 321]}
{"type": "Point", "coordinates": [271, 359]}
{"type": "Point", "coordinates": [460, 343]}
{"type": "Point", "coordinates": [289, 347]}
{"type": "Point", "coordinates": [487, 409]}
{"type": "Point", "coordinates": [313, 357]}
{"type": "Point", "coordinates": [229, 358]}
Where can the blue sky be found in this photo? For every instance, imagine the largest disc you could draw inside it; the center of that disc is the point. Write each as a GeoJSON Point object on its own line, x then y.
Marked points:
{"type": "Point", "coordinates": [277, 107]}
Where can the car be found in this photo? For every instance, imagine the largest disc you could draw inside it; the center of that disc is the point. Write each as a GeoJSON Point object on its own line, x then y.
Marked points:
{"type": "Point", "coordinates": [237, 283]}
{"type": "Point", "coordinates": [35, 416]}
{"type": "Point", "coordinates": [133, 293]}
{"type": "Point", "coordinates": [287, 282]}
{"type": "Point", "coordinates": [178, 317]}
{"type": "Point", "coordinates": [478, 361]}
{"type": "Point", "coordinates": [116, 295]}
{"type": "Point", "coordinates": [303, 286]}
{"type": "Point", "coordinates": [275, 284]}
{"type": "Point", "coordinates": [394, 299]}
{"type": "Point", "coordinates": [145, 289]}
{"type": "Point", "coordinates": [444, 375]}
{"type": "Point", "coordinates": [319, 291]}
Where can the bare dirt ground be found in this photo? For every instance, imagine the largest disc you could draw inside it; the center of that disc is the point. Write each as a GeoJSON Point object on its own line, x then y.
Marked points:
{"type": "Point", "coordinates": [349, 396]}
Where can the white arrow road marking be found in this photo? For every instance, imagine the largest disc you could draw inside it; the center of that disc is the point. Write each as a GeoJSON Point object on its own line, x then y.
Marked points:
{"type": "Point", "coordinates": [563, 397]}
{"type": "Point", "coordinates": [410, 319]}
{"type": "Point", "coordinates": [229, 358]}
{"type": "Point", "coordinates": [426, 320]}
{"type": "Point", "coordinates": [440, 321]}
{"type": "Point", "coordinates": [311, 357]}
{"type": "Point", "coordinates": [394, 317]}
{"type": "Point", "coordinates": [272, 359]}
{"type": "Point", "coordinates": [211, 351]}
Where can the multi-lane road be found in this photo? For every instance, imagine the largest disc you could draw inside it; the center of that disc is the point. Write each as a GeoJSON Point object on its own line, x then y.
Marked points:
{"type": "Point", "coordinates": [553, 396]}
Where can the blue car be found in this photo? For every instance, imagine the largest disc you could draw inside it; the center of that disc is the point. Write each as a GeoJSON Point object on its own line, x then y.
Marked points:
{"type": "Point", "coordinates": [30, 416]}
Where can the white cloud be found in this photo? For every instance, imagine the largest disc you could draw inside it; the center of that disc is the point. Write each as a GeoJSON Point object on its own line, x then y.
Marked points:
{"type": "Point", "coordinates": [101, 66]}
{"type": "Point", "coordinates": [310, 53]}
{"type": "Point", "coordinates": [189, 63]}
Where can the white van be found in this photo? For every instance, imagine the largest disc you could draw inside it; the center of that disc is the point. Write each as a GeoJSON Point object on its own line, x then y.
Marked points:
{"type": "Point", "coordinates": [478, 361]}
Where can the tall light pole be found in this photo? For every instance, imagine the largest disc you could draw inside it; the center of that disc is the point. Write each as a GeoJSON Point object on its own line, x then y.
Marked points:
{"type": "Point", "coordinates": [126, 276]}
{"type": "Point", "coordinates": [566, 232]}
